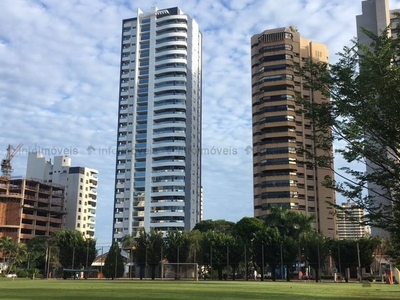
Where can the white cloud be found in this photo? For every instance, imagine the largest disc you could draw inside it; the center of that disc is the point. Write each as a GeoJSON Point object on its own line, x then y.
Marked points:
{"type": "Point", "coordinates": [59, 66]}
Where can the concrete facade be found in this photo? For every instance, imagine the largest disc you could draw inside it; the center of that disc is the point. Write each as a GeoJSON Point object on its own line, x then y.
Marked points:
{"type": "Point", "coordinates": [80, 189]}
{"type": "Point", "coordinates": [281, 176]}
{"type": "Point", "coordinates": [158, 161]}
{"type": "Point", "coordinates": [349, 221]}
{"type": "Point", "coordinates": [29, 208]}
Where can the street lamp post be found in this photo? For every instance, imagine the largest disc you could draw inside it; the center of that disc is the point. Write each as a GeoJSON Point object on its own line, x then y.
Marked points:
{"type": "Point", "coordinates": [359, 262]}
{"type": "Point", "coordinates": [211, 268]}
{"type": "Point", "coordinates": [87, 259]}
{"type": "Point", "coordinates": [262, 262]}
{"type": "Point", "coordinates": [281, 262]}
{"type": "Point", "coordinates": [245, 263]}
{"type": "Point", "coordinates": [116, 261]}
{"type": "Point", "coordinates": [319, 263]}
{"type": "Point", "coordinates": [227, 262]}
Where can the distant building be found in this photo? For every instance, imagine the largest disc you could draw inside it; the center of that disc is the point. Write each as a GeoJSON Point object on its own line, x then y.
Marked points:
{"type": "Point", "coordinates": [282, 175]}
{"type": "Point", "coordinates": [349, 222]}
{"type": "Point", "coordinates": [29, 208]}
{"type": "Point", "coordinates": [80, 189]}
{"type": "Point", "coordinates": [375, 17]}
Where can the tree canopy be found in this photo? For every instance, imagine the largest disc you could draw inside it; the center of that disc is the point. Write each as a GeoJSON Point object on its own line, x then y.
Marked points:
{"type": "Point", "coordinates": [113, 264]}
{"type": "Point", "coordinates": [363, 121]}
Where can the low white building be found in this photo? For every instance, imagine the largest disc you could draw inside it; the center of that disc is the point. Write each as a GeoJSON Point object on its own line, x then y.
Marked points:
{"type": "Point", "coordinates": [80, 189]}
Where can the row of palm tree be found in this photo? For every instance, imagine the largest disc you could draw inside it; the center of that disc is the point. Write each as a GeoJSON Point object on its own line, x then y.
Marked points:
{"type": "Point", "coordinates": [12, 253]}
{"type": "Point", "coordinates": [280, 240]}
{"type": "Point", "coordinates": [64, 249]}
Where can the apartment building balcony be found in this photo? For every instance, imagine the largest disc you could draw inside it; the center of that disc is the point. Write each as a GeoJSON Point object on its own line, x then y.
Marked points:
{"type": "Point", "coordinates": [162, 183]}
{"type": "Point", "coordinates": [165, 104]}
{"type": "Point", "coordinates": [170, 133]}
{"type": "Point", "coordinates": [167, 87]}
{"type": "Point", "coordinates": [124, 101]}
{"type": "Point", "coordinates": [139, 204]}
{"type": "Point", "coordinates": [122, 129]}
{"type": "Point", "coordinates": [167, 143]}
{"type": "Point", "coordinates": [168, 163]}
{"type": "Point", "coordinates": [171, 25]}
{"type": "Point", "coordinates": [172, 224]}
{"type": "Point", "coordinates": [165, 214]}
{"type": "Point", "coordinates": [162, 69]}
{"type": "Point", "coordinates": [170, 76]}
{"type": "Point", "coordinates": [138, 214]}
{"type": "Point", "coordinates": [170, 96]}
{"type": "Point", "coordinates": [90, 224]}
{"type": "Point", "coordinates": [161, 51]}
{"type": "Point", "coordinates": [160, 201]}
{"type": "Point", "coordinates": [161, 35]}
{"type": "Point", "coordinates": [124, 92]}
{"type": "Point", "coordinates": [167, 193]}
{"type": "Point", "coordinates": [267, 125]}
{"type": "Point", "coordinates": [169, 119]}
{"type": "Point", "coordinates": [123, 120]}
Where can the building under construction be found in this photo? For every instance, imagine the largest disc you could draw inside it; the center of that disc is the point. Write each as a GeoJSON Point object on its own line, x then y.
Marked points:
{"type": "Point", "coordinates": [29, 208]}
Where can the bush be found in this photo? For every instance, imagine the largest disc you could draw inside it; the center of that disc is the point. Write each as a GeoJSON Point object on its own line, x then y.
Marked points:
{"type": "Point", "coordinates": [22, 273]}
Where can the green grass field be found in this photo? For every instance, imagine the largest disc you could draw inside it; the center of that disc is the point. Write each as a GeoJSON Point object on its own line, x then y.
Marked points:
{"type": "Point", "coordinates": [186, 290]}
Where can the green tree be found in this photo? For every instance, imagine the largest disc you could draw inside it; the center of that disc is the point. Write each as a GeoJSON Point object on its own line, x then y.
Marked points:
{"type": "Point", "coordinates": [346, 253]}
{"type": "Point", "coordinates": [7, 247]}
{"type": "Point", "coordinates": [214, 225]}
{"type": "Point", "coordinates": [244, 231]}
{"type": "Point", "coordinates": [362, 119]}
{"type": "Point", "coordinates": [15, 254]}
{"type": "Point", "coordinates": [367, 247]}
{"type": "Point", "coordinates": [267, 244]}
{"type": "Point", "coordinates": [393, 249]}
{"type": "Point", "coordinates": [195, 237]}
{"type": "Point", "coordinates": [128, 244]}
{"type": "Point", "coordinates": [246, 228]}
{"type": "Point", "coordinates": [235, 254]}
{"type": "Point", "coordinates": [177, 248]}
{"type": "Point", "coordinates": [19, 255]}
{"type": "Point", "coordinates": [292, 227]}
{"type": "Point", "coordinates": [141, 252]}
{"type": "Point", "coordinates": [155, 248]}
{"type": "Point", "coordinates": [37, 249]}
{"type": "Point", "coordinates": [114, 264]}
{"type": "Point", "coordinates": [316, 249]}
{"type": "Point", "coordinates": [148, 252]}
{"type": "Point", "coordinates": [289, 222]}
{"type": "Point", "coordinates": [74, 250]}
{"type": "Point", "coordinates": [214, 248]}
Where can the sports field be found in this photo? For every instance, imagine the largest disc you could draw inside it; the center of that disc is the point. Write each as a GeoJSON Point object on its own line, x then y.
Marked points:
{"type": "Point", "coordinates": [147, 289]}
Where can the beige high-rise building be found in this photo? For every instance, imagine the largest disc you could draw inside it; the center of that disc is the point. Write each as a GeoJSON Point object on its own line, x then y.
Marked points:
{"type": "Point", "coordinates": [281, 178]}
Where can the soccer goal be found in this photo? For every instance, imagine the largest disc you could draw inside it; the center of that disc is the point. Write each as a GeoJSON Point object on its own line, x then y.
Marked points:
{"type": "Point", "coordinates": [185, 271]}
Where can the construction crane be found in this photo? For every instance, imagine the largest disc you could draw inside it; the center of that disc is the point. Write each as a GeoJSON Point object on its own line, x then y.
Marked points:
{"type": "Point", "coordinates": [6, 168]}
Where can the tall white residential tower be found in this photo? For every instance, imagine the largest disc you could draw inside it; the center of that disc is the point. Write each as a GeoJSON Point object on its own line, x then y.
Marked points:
{"type": "Point", "coordinates": [158, 161]}
{"type": "Point", "coordinates": [80, 189]}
